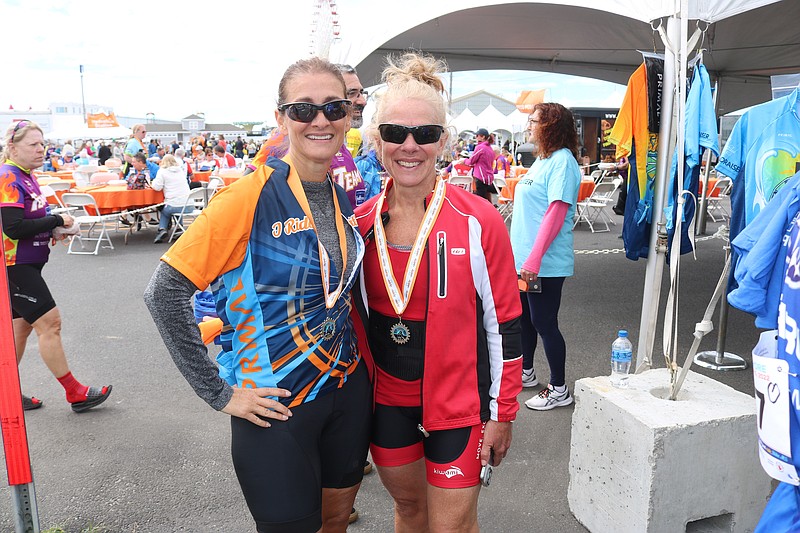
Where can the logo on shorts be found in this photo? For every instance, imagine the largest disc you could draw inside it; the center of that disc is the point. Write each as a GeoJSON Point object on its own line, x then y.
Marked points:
{"type": "Point", "coordinates": [450, 472]}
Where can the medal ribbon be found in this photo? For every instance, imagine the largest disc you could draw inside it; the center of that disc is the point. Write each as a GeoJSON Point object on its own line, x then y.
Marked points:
{"type": "Point", "coordinates": [400, 298]}
{"type": "Point", "coordinates": [324, 261]}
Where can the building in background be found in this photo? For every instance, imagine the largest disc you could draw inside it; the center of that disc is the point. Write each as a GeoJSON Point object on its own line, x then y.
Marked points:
{"type": "Point", "coordinates": [68, 116]}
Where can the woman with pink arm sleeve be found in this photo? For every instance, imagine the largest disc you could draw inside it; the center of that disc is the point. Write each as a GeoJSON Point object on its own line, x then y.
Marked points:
{"type": "Point", "coordinates": [541, 237]}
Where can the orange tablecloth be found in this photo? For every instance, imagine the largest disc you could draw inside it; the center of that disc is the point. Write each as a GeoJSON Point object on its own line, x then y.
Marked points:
{"type": "Point", "coordinates": [508, 191]}
{"type": "Point", "coordinates": [61, 174]}
{"type": "Point", "coordinates": [711, 183]}
{"type": "Point", "coordinates": [114, 198]}
{"type": "Point", "coordinates": [201, 175]}
{"type": "Point", "coordinates": [47, 180]}
{"type": "Point", "coordinates": [519, 171]}
{"type": "Point", "coordinates": [586, 189]}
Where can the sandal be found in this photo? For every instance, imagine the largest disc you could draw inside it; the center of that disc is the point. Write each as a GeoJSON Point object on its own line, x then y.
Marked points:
{"type": "Point", "coordinates": [29, 403]}
{"type": "Point", "coordinates": [94, 397]}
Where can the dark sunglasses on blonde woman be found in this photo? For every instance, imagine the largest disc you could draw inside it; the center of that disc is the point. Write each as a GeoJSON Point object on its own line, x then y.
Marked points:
{"type": "Point", "coordinates": [397, 134]}
{"type": "Point", "coordinates": [306, 112]}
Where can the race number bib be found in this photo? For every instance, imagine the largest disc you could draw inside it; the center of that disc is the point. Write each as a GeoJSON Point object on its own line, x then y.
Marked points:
{"type": "Point", "coordinates": [771, 377]}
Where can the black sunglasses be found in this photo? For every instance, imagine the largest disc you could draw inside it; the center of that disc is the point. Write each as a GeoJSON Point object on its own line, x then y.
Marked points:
{"type": "Point", "coordinates": [306, 112]}
{"type": "Point", "coordinates": [397, 134]}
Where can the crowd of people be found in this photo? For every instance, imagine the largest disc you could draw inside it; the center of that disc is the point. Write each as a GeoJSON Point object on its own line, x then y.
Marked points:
{"type": "Point", "coordinates": [204, 153]}
{"type": "Point", "coordinates": [345, 354]}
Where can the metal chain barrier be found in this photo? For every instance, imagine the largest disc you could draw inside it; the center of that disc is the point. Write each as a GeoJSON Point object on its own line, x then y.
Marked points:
{"type": "Point", "coordinates": [721, 233]}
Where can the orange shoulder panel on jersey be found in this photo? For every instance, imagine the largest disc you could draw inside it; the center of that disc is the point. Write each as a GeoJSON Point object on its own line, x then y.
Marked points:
{"type": "Point", "coordinates": [277, 145]}
{"type": "Point", "coordinates": [217, 241]}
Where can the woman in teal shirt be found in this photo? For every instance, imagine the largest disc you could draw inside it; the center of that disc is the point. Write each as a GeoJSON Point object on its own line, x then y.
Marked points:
{"type": "Point", "coordinates": [541, 237]}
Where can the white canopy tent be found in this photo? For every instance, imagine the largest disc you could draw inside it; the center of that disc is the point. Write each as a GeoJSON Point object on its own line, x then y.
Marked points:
{"type": "Point", "coordinates": [745, 41]}
{"type": "Point", "coordinates": [490, 118]}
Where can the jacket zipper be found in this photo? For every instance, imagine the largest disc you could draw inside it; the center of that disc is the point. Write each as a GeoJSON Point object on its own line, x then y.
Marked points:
{"type": "Point", "coordinates": [420, 427]}
{"type": "Point", "coordinates": [441, 240]}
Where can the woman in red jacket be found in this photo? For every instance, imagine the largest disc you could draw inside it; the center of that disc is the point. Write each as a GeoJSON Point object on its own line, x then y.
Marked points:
{"type": "Point", "coordinates": [443, 321]}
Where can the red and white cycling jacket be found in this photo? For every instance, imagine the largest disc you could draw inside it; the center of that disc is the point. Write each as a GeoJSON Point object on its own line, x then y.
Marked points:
{"type": "Point", "coordinates": [473, 349]}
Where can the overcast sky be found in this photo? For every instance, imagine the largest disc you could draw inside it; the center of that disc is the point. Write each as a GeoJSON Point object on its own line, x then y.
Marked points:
{"type": "Point", "coordinates": [175, 58]}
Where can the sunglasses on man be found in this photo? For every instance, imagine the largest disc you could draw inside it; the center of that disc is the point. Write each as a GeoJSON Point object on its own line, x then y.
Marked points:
{"type": "Point", "coordinates": [354, 93]}
{"type": "Point", "coordinates": [397, 134]}
{"type": "Point", "coordinates": [306, 112]}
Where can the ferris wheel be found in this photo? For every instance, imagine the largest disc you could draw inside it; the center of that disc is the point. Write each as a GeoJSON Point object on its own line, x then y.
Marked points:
{"type": "Point", "coordinates": [325, 28]}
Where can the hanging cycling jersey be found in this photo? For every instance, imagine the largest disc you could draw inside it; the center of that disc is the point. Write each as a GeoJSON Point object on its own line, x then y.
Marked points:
{"type": "Point", "coordinates": [700, 132]}
{"type": "Point", "coordinates": [777, 385]}
{"type": "Point", "coordinates": [636, 140]}
{"type": "Point", "coordinates": [760, 156]}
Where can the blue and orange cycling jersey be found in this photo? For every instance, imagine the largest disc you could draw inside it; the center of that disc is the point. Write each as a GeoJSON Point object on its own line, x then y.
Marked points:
{"type": "Point", "coordinates": [286, 317]}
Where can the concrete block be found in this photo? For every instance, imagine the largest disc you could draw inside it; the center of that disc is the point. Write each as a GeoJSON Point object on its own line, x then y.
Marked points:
{"type": "Point", "coordinates": [642, 463]}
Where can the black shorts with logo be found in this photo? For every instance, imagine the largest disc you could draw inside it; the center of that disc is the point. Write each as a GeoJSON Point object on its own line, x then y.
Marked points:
{"type": "Point", "coordinates": [30, 297]}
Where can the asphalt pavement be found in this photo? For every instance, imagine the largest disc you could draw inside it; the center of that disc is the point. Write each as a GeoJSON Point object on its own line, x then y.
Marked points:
{"type": "Point", "coordinates": [155, 458]}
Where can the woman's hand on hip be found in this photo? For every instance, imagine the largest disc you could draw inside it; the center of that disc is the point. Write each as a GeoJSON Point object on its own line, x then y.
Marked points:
{"type": "Point", "coordinates": [252, 405]}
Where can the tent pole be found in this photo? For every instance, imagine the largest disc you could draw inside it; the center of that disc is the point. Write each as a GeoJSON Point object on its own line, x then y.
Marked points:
{"type": "Point", "coordinates": [719, 359]}
{"type": "Point", "coordinates": [658, 235]}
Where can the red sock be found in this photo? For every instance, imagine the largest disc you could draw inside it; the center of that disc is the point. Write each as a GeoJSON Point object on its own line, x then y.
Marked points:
{"type": "Point", "coordinates": [75, 391]}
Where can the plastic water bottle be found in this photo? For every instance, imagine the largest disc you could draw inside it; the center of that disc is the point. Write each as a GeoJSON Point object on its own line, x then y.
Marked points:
{"type": "Point", "coordinates": [621, 356]}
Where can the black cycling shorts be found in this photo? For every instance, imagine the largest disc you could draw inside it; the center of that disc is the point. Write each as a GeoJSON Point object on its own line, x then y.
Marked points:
{"type": "Point", "coordinates": [282, 469]}
{"type": "Point", "coordinates": [452, 456]}
{"type": "Point", "coordinates": [30, 297]}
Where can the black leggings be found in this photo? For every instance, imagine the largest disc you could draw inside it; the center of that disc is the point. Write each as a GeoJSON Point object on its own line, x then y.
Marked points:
{"type": "Point", "coordinates": [282, 469]}
{"type": "Point", "coordinates": [540, 315]}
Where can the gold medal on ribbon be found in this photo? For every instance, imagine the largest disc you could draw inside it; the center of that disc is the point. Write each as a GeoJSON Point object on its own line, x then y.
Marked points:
{"type": "Point", "coordinates": [397, 296]}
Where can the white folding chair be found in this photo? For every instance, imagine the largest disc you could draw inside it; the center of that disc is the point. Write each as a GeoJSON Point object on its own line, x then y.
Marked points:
{"type": "Point", "coordinates": [505, 203]}
{"type": "Point", "coordinates": [717, 197]}
{"type": "Point", "coordinates": [91, 217]}
{"type": "Point", "coordinates": [215, 183]}
{"type": "Point", "coordinates": [60, 185]}
{"type": "Point", "coordinates": [58, 207]}
{"type": "Point", "coordinates": [103, 177]}
{"type": "Point", "coordinates": [192, 209]}
{"type": "Point", "coordinates": [81, 178]}
{"type": "Point", "coordinates": [593, 209]}
{"type": "Point", "coordinates": [465, 182]}
{"type": "Point", "coordinates": [499, 183]}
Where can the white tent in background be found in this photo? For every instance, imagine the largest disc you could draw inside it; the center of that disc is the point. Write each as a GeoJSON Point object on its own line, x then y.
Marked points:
{"type": "Point", "coordinates": [493, 120]}
{"type": "Point", "coordinates": [465, 121]}
{"type": "Point", "coordinates": [508, 126]}
{"type": "Point", "coordinates": [745, 42]}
